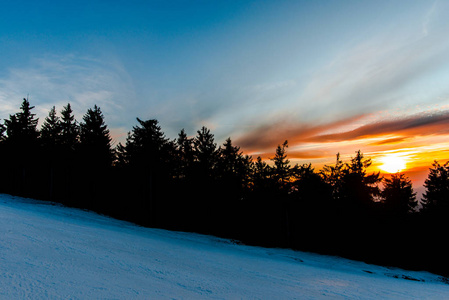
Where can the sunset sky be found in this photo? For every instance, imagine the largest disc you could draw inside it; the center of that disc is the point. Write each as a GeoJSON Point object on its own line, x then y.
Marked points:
{"type": "Point", "coordinates": [328, 76]}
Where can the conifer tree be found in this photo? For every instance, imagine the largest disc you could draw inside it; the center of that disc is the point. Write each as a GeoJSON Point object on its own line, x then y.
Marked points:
{"type": "Point", "coordinates": [147, 145]}
{"type": "Point", "coordinates": [22, 126]}
{"type": "Point", "coordinates": [398, 195]}
{"type": "Point", "coordinates": [233, 166]}
{"type": "Point", "coordinates": [332, 175]}
{"type": "Point", "coordinates": [359, 189]}
{"type": "Point", "coordinates": [282, 168]}
{"type": "Point", "coordinates": [436, 197]}
{"type": "Point", "coordinates": [185, 154]}
{"type": "Point", "coordinates": [205, 151]}
{"type": "Point", "coordinates": [69, 128]}
{"type": "Point", "coordinates": [51, 129]}
{"type": "Point", "coordinates": [95, 140]}
{"type": "Point", "coordinates": [261, 174]}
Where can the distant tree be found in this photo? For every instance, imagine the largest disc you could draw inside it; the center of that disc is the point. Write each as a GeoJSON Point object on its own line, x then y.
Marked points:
{"type": "Point", "coordinates": [436, 197]}
{"type": "Point", "coordinates": [120, 157]}
{"type": "Point", "coordinates": [261, 177]}
{"type": "Point", "coordinates": [95, 140]}
{"type": "Point", "coordinates": [206, 153]}
{"type": "Point", "coordinates": [332, 175]}
{"type": "Point", "coordinates": [185, 157]}
{"type": "Point", "coordinates": [146, 146]}
{"type": "Point", "coordinates": [69, 128]}
{"type": "Point", "coordinates": [2, 132]}
{"type": "Point", "coordinates": [51, 129]}
{"type": "Point", "coordinates": [398, 195]}
{"type": "Point", "coordinates": [149, 156]}
{"type": "Point", "coordinates": [21, 150]}
{"type": "Point", "coordinates": [310, 187]}
{"type": "Point", "coordinates": [282, 169]}
{"type": "Point", "coordinates": [358, 189]}
{"type": "Point", "coordinates": [21, 128]}
{"type": "Point", "coordinates": [233, 166]}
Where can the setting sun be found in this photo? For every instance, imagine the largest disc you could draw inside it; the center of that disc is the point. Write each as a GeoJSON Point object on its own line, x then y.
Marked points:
{"type": "Point", "coordinates": [393, 163]}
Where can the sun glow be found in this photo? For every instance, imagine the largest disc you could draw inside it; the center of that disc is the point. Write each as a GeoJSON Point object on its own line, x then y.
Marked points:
{"type": "Point", "coordinates": [393, 163]}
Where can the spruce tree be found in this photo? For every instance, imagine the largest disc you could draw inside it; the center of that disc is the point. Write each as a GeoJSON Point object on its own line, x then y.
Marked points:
{"type": "Point", "coordinates": [282, 168]}
{"type": "Point", "coordinates": [21, 128]}
{"type": "Point", "coordinates": [51, 129]}
{"type": "Point", "coordinates": [147, 145]}
{"type": "Point", "coordinates": [206, 153]}
{"type": "Point", "coordinates": [185, 157]}
{"type": "Point", "coordinates": [69, 128]}
{"type": "Point", "coordinates": [436, 197]}
{"type": "Point", "coordinates": [233, 166]}
{"type": "Point", "coordinates": [398, 195]}
{"type": "Point", "coordinates": [21, 150]}
{"type": "Point", "coordinates": [358, 189]}
{"type": "Point", "coordinates": [332, 175]}
{"type": "Point", "coordinates": [95, 140]}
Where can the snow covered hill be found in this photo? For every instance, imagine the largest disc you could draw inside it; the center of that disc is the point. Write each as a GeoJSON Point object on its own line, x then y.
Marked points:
{"type": "Point", "coordinates": [50, 251]}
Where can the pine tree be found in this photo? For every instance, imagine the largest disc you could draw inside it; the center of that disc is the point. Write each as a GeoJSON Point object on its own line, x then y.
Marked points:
{"type": "Point", "coordinates": [332, 175]}
{"type": "Point", "coordinates": [21, 150]}
{"type": "Point", "coordinates": [147, 145]}
{"type": "Point", "coordinates": [69, 128]}
{"type": "Point", "coordinates": [21, 128]}
{"type": "Point", "coordinates": [398, 195]}
{"type": "Point", "coordinates": [206, 153]}
{"type": "Point", "coordinates": [230, 157]}
{"type": "Point", "coordinates": [233, 166]}
{"type": "Point", "coordinates": [51, 129]}
{"type": "Point", "coordinates": [261, 174]}
{"type": "Point", "coordinates": [282, 168]}
{"type": "Point", "coordinates": [358, 189]}
{"type": "Point", "coordinates": [436, 197]}
{"type": "Point", "coordinates": [95, 140]}
{"type": "Point", "coordinates": [184, 146]}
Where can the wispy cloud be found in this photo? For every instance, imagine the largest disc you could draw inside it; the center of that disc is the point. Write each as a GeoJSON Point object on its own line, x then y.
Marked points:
{"type": "Point", "coordinates": [58, 80]}
{"type": "Point", "coordinates": [416, 125]}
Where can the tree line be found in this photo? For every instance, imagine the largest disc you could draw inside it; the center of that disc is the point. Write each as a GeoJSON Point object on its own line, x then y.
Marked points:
{"type": "Point", "coordinates": [191, 184]}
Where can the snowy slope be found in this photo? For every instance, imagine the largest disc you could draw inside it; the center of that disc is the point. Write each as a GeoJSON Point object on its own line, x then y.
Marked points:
{"type": "Point", "coordinates": [49, 251]}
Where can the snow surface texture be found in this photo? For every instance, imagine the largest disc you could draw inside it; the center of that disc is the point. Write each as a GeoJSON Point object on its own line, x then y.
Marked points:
{"type": "Point", "coordinates": [52, 252]}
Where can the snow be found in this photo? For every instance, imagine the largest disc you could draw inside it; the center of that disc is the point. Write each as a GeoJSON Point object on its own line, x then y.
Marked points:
{"type": "Point", "coordinates": [48, 251]}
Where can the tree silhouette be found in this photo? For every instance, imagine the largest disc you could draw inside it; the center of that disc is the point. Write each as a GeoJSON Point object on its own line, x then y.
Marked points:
{"type": "Point", "coordinates": [51, 129]}
{"type": "Point", "coordinates": [95, 140]}
{"type": "Point", "coordinates": [358, 189]}
{"type": "Point", "coordinates": [398, 195]}
{"type": "Point", "coordinates": [332, 175]}
{"type": "Point", "coordinates": [21, 149]}
{"type": "Point", "coordinates": [149, 156]}
{"type": "Point", "coordinates": [282, 168]}
{"type": "Point", "coordinates": [146, 145]}
{"type": "Point", "coordinates": [436, 197]}
{"type": "Point", "coordinates": [185, 155]}
{"type": "Point", "coordinates": [21, 128]}
{"type": "Point", "coordinates": [206, 154]}
{"type": "Point", "coordinates": [69, 128]}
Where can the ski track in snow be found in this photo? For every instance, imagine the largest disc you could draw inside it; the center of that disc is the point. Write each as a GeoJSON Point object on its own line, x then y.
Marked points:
{"type": "Point", "coordinates": [48, 251]}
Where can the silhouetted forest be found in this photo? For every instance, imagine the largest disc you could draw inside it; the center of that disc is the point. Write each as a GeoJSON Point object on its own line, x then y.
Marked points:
{"type": "Point", "coordinates": [192, 184]}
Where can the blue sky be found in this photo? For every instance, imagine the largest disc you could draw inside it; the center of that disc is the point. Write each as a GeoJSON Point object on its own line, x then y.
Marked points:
{"type": "Point", "coordinates": [257, 71]}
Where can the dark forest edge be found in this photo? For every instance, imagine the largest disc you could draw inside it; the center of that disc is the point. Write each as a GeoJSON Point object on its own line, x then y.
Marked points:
{"type": "Point", "coordinates": [190, 184]}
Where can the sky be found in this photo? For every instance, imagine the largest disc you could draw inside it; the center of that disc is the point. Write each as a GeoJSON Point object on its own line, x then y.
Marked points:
{"type": "Point", "coordinates": [328, 76]}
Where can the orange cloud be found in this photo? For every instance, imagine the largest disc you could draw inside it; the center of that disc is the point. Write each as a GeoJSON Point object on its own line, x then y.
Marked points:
{"type": "Point", "coordinates": [419, 124]}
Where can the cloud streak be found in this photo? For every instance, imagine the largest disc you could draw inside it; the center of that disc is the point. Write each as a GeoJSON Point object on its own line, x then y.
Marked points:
{"type": "Point", "coordinates": [83, 81]}
{"type": "Point", "coordinates": [387, 132]}
{"type": "Point", "coordinates": [411, 126]}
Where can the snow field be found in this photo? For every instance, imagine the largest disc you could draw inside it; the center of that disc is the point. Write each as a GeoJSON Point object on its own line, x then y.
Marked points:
{"type": "Point", "coordinates": [52, 252]}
